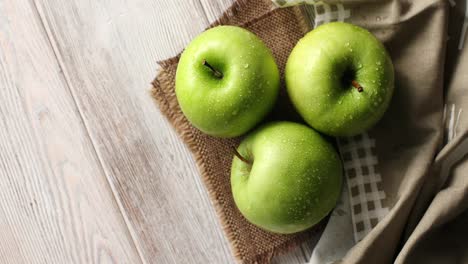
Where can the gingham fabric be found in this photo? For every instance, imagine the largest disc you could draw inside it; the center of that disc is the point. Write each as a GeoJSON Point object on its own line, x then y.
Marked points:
{"type": "Point", "coordinates": [364, 183]}
{"type": "Point", "coordinates": [324, 13]}
{"type": "Point", "coordinates": [286, 3]}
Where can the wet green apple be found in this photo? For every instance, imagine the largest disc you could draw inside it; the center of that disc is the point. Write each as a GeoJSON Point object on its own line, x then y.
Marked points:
{"type": "Point", "coordinates": [285, 177]}
{"type": "Point", "coordinates": [226, 81]}
{"type": "Point", "coordinates": [340, 79]}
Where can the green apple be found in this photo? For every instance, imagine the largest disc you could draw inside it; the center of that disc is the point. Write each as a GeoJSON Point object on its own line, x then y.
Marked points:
{"type": "Point", "coordinates": [285, 177]}
{"type": "Point", "coordinates": [226, 81]}
{"type": "Point", "coordinates": [340, 79]}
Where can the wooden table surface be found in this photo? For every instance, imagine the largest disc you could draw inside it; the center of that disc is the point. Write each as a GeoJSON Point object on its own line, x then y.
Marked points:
{"type": "Point", "coordinates": [90, 171]}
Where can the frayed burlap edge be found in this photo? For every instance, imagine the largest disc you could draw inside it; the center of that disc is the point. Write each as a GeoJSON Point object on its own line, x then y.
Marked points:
{"type": "Point", "coordinates": [182, 127]}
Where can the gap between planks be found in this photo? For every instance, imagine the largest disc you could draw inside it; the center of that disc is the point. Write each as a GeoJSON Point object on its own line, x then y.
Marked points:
{"type": "Point", "coordinates": [112, 176]}
{"type": "Point", "coordinates": [53, 44]}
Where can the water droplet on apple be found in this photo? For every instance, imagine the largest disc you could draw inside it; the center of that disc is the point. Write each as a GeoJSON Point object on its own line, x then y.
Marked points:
{"type": "Point", "coordinates": [351, 50]}
{"type": "Point", "coordinates": [373, 81]}
{"type": "Point", "coordinates": [359, 66]}
{"type": "Point", "coordinates": [234, 112]}
{"type": "Point", "coordinates": [378, 63]}
{"type": "Point", "coordinates": [246, 65]}
{"type": "Point", "coordinates": [378, 18]}
{"type": "Point", "coordinates": [339, 102]}
{"type": "Point", "coordinates": [347, 44]}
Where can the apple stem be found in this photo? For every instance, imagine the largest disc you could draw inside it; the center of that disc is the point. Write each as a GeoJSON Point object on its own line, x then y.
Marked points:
{"type": "Point", "coordinates": [357, 86]}
{"type": "Point", "coordinates": [239, 156]}
{"type": "Point", "coordinates": [216, 73]}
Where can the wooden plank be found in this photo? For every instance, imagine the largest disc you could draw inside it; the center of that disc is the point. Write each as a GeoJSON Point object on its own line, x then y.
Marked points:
{"type": "Point", "coordinates": [213, 9]}
{"type": "Point", "coordinates": [55, 203]}
{"type": "Point", "coordinates": [108, 51]}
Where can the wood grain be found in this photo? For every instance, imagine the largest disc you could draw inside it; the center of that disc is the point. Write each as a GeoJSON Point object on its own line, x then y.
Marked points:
{"type": "Point", "coordinates": [108, 50]}
{"type": "Point", "coordinates": [55, 203]}
{"type": "Point", "coordinates": [213, 9]}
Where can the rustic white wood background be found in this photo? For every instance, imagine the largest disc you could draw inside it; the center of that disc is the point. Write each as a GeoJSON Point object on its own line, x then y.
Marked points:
{"type": "Point", "coordinates": [90, 171]}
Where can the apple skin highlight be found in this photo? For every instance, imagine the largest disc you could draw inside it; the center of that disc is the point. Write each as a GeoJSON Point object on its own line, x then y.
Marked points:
{"type": "Point", "coordinates": [324, 72]}
{"type": "Point", "coordinates": [292, 181]}
{"type": "Point", "coordinates": [227, 81]}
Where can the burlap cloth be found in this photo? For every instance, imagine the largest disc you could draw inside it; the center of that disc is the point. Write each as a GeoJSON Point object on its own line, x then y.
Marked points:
{"type": "Point", "coordinates": [416, 143]}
